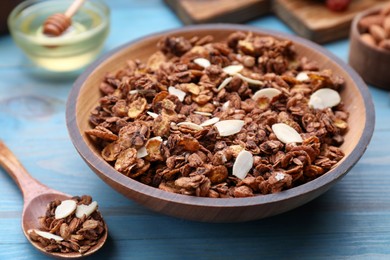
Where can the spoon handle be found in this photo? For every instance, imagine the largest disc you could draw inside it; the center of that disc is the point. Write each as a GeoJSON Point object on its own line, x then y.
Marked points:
{"type": "Point", "coordinates": [27, 184]}
{"type": "Point", "coordinates": [74, 7]}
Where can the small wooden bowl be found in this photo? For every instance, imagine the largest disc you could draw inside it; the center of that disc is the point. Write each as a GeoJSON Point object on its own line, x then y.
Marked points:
{"type": "Point", "coordinates": [372, 63]}
{"type": "Point", "coordinates": [85, 94]}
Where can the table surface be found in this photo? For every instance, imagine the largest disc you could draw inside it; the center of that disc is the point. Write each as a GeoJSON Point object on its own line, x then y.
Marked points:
{"type": "Point", "coordinates": [352, 220]}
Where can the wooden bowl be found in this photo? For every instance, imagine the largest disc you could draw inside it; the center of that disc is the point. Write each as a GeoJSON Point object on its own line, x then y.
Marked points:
{"type": "Point", "coordinates": [372, 63]}
{"type": "Point", "coordinates": [85, 94]}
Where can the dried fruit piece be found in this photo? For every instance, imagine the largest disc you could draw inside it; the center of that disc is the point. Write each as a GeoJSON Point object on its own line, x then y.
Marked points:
{"type": "Point", "coordinates": [202, 62]}
{"type": "Point", "coordinates": [210, 121]}
{"type": "Point", "coordinates": [233, 69]}
{"type": "Point", "coordinates": [269, 93]}
{"type": "Point", "coordinates": [286, 133]}
{"type": "Point", "coordinates": [66, 208]}
{"type": "Point", "coordinates": [46, 235]}
{"type": "Point", "coordinates": [229, 127]}
{"type": "Point", "coordinates": [324, 98]}
{"type": "Point", "coordinates": [86, 209]}
{"type": "Point", "coordinates": [177, 92]}
{"type": "Point", "coordinates": [243, 164]}
{"type": "Point", "coordinates": [224, 83]}
{"type": "Point", "coordinates": [190, 125]}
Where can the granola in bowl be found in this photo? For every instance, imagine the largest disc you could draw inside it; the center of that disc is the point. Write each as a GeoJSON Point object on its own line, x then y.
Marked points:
{"type": "Point", "coordinates": [235, 118]}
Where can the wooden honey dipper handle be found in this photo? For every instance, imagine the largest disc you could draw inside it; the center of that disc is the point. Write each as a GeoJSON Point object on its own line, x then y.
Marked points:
{"type": "Point", "coordinates": [57, 23]}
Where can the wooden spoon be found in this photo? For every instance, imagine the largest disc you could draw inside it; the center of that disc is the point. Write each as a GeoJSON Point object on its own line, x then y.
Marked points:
{"type": "Point", "coordinates": [36, 197]}
{"type": "Point", "coordinates": [57, 23]}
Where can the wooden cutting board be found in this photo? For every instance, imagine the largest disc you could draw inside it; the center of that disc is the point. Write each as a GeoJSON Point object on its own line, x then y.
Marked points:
{"type": "Point", "coordinates": [311, 19]}
{"type": "Point", "coordinates": [212, 11]}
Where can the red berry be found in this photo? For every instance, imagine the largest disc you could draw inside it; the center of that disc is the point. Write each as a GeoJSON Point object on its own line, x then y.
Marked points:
{"type": "Point", "coordinates": [338, 5]}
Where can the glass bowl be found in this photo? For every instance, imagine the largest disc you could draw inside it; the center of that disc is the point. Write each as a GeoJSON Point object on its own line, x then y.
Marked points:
{"type": "Point", "coordinates": [72, 50]}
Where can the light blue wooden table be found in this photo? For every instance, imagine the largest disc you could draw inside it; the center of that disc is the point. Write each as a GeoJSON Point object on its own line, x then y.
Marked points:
{"type": "Point", "coordinates": [350, 221]}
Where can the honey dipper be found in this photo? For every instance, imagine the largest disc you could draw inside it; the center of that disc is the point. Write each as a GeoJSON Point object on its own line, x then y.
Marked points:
{"type": "Point", "coordinates": [57, 23]}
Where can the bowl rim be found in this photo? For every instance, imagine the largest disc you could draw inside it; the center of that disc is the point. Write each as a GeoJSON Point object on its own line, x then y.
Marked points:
{"type": "Point", "coordinates": [110, 173]}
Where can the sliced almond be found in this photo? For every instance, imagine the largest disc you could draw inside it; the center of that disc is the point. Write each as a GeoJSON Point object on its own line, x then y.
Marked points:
{"type": "Point", "coordinates": [302, 76]}
{"type": "Point", "coordinates": [286, 133]}
{"type": "Point", "coordinates": [66, 208]}
{"type": "Point", "coordinates": [202, 62]}
{"type": "Point", "coordinates": [86, 209]}
{"type": "Point", "coordinates": [45, 234]}
{"type": "Point", "coordinates": [250, 81]}
{"type": "Point", "coordinates": [177, 92]}
{"type": "Point", "coordinates": [142, 152]}
{"type": "Point", "coordinates": [133, 92]}
{"type": "Point", "coordinates": [191, 125]}
{"type": "Point", "coordinates": [229, 127]}
{"type": "Point", "coordinates": [279, 176]}
{"type": "Point", "coordinates": [324, 98]}
{"type": "Point", "coordinates": [158, 138]}
{"type": "Point", "coordinates": [233, 69]}
{"type": "Point", "coordinates": [210, 121]}
{"type": "Point", "coordinates": [225, 106]}
{"type": "Point", "coordinates": [269, 93]}
{"type": "Point", "coordinates": [243, 164]}
{"type": "Point", "coordinates": [202, 113]}
{"type": "Point", "coordinates": [152, 114]}
{"type": "Point", "coordinates": [224, 83]}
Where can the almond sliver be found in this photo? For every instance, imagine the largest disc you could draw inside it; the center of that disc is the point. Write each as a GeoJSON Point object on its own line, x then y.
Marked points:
{"type": "Point", "coordinates": [47, 235]}
{"type": "Point", "coordinates": [142, 152]}
{"type": "Point", "coordinates": [250, 81]}
{"type": "Point", "coordinates": [269, 93]}
{"type": "Point", "coordinates": [233, 69]}
{"type": "Point", "coordinates": [202, 62]}
{"type": "Point", "coordinates": [191, 125]}
{"type": "Point", "coordinates": [224, 83]}
{"type": "Point", "coordinates": [243, 164]}
{"type": "Point", "coordinates": [229, 127]}
{"type": "Point", "coordinates": [86, 209]}
{"type": "Point", "coordinates": [302, 76]}
{"type": "Point", "coordinates": [177, 92]}
{"type": "Point", "coordinates": [152, 114]}
{"type": "Point", "coordinates": [66, 208]}
{"type": "Point", "coordinates": [210, 121]}
{"type": "Point", "coordinates": [324, 98]}
{"type": "Point", "coordinates": [286, 133]}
